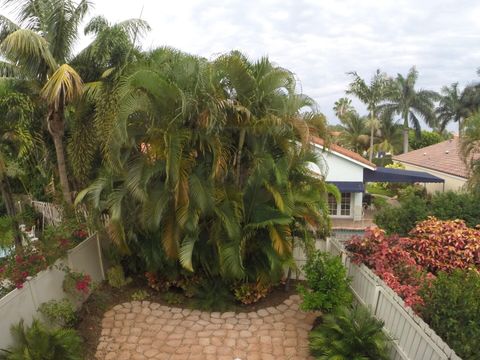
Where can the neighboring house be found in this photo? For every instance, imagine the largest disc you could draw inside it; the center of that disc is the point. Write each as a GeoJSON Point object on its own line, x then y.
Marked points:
{"type": "Point", "coordinates": [345, 169]}
{"type": "Point", "coordinates": [350, 172]}
{"type": "Point", "coordinates": [442, 160]}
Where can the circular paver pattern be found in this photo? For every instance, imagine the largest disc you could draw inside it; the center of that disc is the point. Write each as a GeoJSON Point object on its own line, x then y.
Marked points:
{"type": "Point", "coordinates": [145, 330]}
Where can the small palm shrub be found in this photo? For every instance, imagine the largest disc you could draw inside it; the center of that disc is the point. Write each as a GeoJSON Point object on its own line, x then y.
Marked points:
{"type": "Point", "coordinates": [327, 283]}
{"type": "Point", "coordinates": [350, 334]}
{"type": "Point", "coordinates": [213, 295]}
{"type": "Point", "coordinates": [40, 343]}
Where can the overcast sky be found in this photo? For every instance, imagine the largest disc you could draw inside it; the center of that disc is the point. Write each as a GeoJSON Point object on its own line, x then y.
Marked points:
{"type": "Point", "coordinates": [321, 40]}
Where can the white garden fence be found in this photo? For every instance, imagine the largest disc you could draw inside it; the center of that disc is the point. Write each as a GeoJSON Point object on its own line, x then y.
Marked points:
{"type": "Point", "coordinates": [412, 338]}
{"type": "Point", "coordinates": [47, 285]}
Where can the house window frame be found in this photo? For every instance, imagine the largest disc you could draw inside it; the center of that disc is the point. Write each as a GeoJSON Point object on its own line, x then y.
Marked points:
{"type": "Point", "coordinates": [339, 207]}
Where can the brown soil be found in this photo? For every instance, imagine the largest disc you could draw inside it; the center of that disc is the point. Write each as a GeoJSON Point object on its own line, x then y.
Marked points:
{"type": "Point", "coordinates": [105, 297]}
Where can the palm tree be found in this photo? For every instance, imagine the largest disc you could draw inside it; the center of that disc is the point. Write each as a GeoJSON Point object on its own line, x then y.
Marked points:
{"type": "Point", "coordinates": [350, 334]}
{"type": "Point", "coordinates": [410, 104]}
{"type": "Point", "coordinates": [205, 155]}
{"type": "Point", "coordinates": [449, 107]}
{"type": "Point", "coordinates": [343, 107]}
{"type": "Point", "coordinates": [470, 147]}
{"type": "Point", "coordinates": [40, 51]}
{"type": "Point", "coordinates": [389, 136]}
{"type": "Point", "coordinates": [371, 95]}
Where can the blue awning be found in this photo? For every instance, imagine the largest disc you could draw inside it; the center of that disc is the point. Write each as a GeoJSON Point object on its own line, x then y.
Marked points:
{"type": "Point", "coordinates": [399, 176]}
{"type": "Point", "coordinates": [348, 186]}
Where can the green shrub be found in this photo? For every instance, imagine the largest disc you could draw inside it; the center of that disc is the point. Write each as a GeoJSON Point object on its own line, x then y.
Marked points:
{"type": "Point", "coordinates": [452, 308]}
{"type": "Point", "coordinates": [400, 220]}
{"type": "Point", "coordinates": [59, 312]}
{"type": "Point", "coordinates": [327, 283]}
{"type": "Point", "coordinates": [116, 277]}
{"type": "Point", "coordinates": [415, 207]}
{"type": "Point", "coordinates": [140, 295]}
{"type": "Point", "coordinates": [172, 298]}
{"type": "Point", "coordinates": [37, 342]}
{"type": "Point", "coordinates": [213, 295]}
{"type": "Point", "coordinates": [349, 334]}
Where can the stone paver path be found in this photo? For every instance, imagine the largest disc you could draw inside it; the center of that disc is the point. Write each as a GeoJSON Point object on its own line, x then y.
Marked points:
{"type": "Point", "coordinates": [145, 330]}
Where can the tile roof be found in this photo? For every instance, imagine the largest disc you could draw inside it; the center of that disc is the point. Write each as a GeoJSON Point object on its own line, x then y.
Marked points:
{"type": "Point", "coordinates": [444, 157]}
{"type": "Point", "coordinates": [341, 150]}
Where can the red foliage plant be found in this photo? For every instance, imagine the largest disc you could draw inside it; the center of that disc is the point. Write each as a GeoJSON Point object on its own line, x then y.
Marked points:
{"type": "Point", "coordinates": [389, 259]}
{"type": "Point", "coordinates": [439, 245]}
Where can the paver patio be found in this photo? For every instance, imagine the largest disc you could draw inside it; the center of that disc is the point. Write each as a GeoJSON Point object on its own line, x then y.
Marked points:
{"type": "Point", "coordinates": [145, 330]}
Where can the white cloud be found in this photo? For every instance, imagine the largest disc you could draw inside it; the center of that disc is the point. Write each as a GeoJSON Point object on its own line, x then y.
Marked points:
{"type": "Point", "coordinates": [321, 40]}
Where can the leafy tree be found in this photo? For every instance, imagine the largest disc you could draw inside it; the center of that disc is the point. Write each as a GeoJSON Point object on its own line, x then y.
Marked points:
{"type": "Point", "coordinates": [389, 136]}
{"type": "Point", "coordinates": [425, 139]}
{"type": "Point", "coordinates": [470, 148]}
{"type": "Point", "coordinates": [16, 114]}
{"type": "Point", "coordinates": [410, 104]}
{"type": "Point", "coordinates": [372, 96]}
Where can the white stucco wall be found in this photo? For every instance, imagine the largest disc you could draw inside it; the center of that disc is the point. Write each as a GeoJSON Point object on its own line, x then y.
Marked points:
{"type": "Point", "coordinates": [452, 182]}
{"type": "Point", "coordinates": [337, 168]}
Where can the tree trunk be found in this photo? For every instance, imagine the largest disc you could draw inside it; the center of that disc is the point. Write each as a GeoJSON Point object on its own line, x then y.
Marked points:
{"type": "Point", "coordinates": [56, 126]}
{"type": "Point", "coordinates": [62, 168]}
{"type": "Point", "coordinates": [370, 156]}
{"type": "Point", "coordinates": [405, 140]}
{"type": "Point", "coordinates": [241, 141]}
{"type": "Point", "coordinates": [11, 212]}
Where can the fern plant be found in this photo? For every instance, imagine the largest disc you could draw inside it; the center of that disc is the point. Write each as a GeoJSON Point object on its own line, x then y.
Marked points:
{"type": "Point", "coordinates": [350, 334]}
{"type": "Point", "coordinates": [40, 343]}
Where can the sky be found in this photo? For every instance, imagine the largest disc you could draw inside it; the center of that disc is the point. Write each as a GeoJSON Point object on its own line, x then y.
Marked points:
{"type": "Point", "coordinates": [320, 40]}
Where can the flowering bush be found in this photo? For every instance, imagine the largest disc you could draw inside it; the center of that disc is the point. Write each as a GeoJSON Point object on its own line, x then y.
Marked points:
{"type": "Point", "coordinates": [439, 245]}
{"type": "Point", "coordinates": [19, 267]}
{"type": "Point", "coordinates": [389, 259]}
{"type": "Point", "coordinates": [78, 285]}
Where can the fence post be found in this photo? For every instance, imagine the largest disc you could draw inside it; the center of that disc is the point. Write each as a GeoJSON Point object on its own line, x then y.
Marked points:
{"type": "Point", "coordinates": [100, 259]}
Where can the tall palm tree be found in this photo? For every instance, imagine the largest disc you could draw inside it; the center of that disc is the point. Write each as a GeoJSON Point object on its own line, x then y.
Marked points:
{"type": "Point", "coordinates": [39, 48]}
{"type": "Point", "coordinates": [449, 107]}
{"type": "Point", "coordinates": [410, 104]}
{"type": "Point", "coordinates": [371, 95]}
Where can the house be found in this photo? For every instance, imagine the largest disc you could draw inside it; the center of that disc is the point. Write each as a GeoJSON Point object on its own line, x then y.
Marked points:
{"type": "Point", "coordinates": [350, 172]}
{"type": "Point", "coordinates": [345, 169]}
{"type": "Point", "coordinates": [442, 160]}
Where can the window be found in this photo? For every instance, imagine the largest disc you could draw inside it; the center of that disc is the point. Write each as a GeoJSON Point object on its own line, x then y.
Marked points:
{"type": "Point", "coordinates": [345, 204]}
{"type": "Point", "coordinates": [332, 205]}
{"type": "Point", "coordinates": [340, 209]}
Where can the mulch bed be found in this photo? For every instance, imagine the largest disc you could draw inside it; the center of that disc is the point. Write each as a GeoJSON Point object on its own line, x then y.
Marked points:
{"type": "Point", "coordinates": [105, 297]}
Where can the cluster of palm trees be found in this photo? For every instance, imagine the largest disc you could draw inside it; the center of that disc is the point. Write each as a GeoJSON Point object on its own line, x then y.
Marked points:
{"type": "Point", "coordinates": [198, 163]}
{"type": "Point", "coordinates": [394, 106]}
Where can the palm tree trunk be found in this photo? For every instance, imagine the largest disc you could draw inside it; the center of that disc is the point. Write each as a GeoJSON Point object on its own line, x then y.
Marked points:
{"type": "Point", "coordinates": [372, 130]}
{"type": "Point", "coordinates": [405, 133]}
{"type": "Point", "coordinates": [56, 126]}
{"type": "Point", "coordinates": [7, 196]}
{"type": "Point", "coordinates": [241, 141]}
{"type": "Point", "coordinates": [62, 168]}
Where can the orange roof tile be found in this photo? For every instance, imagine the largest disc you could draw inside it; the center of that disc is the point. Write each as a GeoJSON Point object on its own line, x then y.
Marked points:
{"type": "Point", "coordinates": [444, 157]}
{"type": "Point", "coordinates": [341, 150]}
